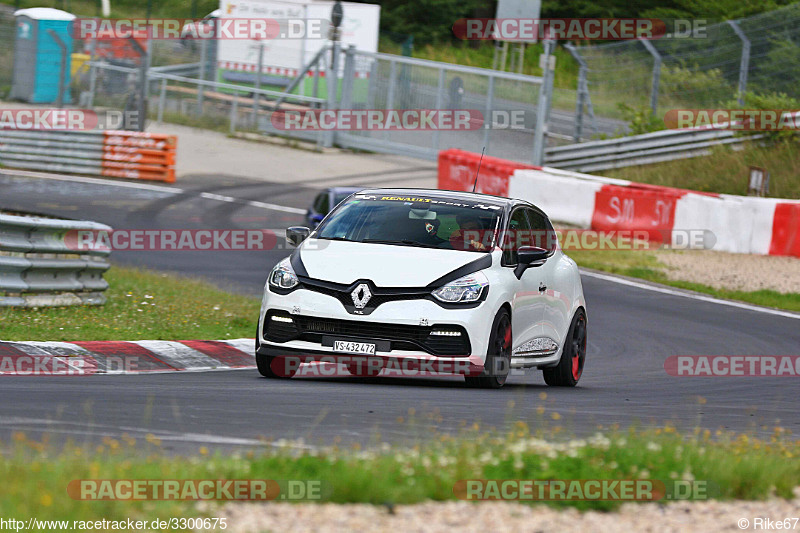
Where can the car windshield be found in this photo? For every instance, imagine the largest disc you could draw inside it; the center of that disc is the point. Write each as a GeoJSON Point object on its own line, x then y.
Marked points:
{"type": "Point", "coordinates": [415, 220]}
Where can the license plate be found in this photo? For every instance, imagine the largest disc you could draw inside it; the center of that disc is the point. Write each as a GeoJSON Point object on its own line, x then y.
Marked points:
{"type": "Point", "coordinates": [354, 347]}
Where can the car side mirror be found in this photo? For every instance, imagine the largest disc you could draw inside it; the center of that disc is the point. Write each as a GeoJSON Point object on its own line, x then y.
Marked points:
{"type": "Point", "coordinates": [297, 234]}
{"type": "Point", "coordinates": [530, 257]}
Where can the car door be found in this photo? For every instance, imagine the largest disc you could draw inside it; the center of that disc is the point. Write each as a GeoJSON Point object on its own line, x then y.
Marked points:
{"type": "Point", "coordinates": [527, 304]}
{"type": "Point", "coordinates": [555, 310]}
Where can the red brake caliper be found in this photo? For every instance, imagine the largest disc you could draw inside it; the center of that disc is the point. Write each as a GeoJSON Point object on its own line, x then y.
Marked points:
{"type": "Point", "coordinates": [576, 366]}
{"type": "Point", "coordinates": [576, 363]}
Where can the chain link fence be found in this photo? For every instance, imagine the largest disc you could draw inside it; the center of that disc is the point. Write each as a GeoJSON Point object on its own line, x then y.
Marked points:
{"type": "Point", "coordinates": [387, 82]}
{"type": "Point", "coordinates": [718, 64]}
{"type": "Point", "coordinates": [7, 37]}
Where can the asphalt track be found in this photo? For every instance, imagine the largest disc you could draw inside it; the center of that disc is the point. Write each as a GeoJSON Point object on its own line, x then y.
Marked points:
{"type": "Point", "coordinates": [632, 330]}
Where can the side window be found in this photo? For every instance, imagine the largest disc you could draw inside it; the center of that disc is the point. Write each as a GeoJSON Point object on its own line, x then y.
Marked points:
{"type": "Point", "coordinates": [543, 234]}
{"type": "Point", "coordinates": [321, 204]}
{"type": "Point", "coordinates": [518, 234]}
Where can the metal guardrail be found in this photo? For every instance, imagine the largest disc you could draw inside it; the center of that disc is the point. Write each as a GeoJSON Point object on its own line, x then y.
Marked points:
{"type": "Point", "coordinates": [181, 69]}
{"type": "Point", "coordinates": [643, 149]}
{"type": "Point", "coordinates": [41, 266]}
{"type": "Point", "coordinates": [120, 154]}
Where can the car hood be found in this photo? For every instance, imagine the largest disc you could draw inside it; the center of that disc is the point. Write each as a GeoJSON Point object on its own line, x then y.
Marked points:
{"type": "Point", "coordinates": [385, 265]}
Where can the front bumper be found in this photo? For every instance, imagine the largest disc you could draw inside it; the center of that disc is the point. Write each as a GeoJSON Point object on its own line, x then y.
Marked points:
{"type": "Point", "coordinates": [475, 322]}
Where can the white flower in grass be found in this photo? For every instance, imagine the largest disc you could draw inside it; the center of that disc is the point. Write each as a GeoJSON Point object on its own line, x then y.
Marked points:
{"type": "Point", "coordinates": [599, 440]}
{"type": "Point", "coordinates": [653, 446]}
{"type": "Point", "coordinates": [577, 443]}
{"type": "Point", "coordinates": [445, 460]}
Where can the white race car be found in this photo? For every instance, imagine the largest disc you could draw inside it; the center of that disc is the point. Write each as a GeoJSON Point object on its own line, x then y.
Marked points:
{"type": "Point", "coordinates": [426, 281]}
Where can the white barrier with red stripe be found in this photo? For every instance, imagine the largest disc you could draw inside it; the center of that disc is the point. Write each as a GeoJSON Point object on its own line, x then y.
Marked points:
{"type": "Point", "coordinates": [551, 187]}
{"type": "Point", "coordinates": [739, 224]}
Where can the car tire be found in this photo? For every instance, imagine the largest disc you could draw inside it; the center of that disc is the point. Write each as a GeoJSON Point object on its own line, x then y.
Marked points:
{"type": "Point", "coordinates": [267, 363]}
{"type": "Point", "coordinates": [569, 369]}
{"type": "Point", "coordinates": [498, 357]}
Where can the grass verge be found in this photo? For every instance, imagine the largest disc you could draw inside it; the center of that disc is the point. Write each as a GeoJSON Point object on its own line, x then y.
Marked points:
{"type": "Point", "coordinates": [646, 266]}
{"type": "Point", "coordinates": [725, 170]}
{"type": "Point", "coordinates": [730, 467]}
{"type": "Point", "coordinates": [141, 305]}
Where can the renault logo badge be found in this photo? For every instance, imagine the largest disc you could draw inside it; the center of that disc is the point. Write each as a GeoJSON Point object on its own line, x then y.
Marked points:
{"type": "Point", "coordinates": [361, 296]}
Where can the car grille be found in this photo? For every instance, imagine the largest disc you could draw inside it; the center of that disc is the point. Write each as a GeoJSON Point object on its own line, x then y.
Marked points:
{"type": "Point", "coordinates": [401, 337]}
{"type": "Point", "coordinates": [379, 295]}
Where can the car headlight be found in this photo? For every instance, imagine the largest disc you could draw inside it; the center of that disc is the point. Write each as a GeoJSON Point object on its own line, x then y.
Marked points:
{"type": "Point", "coordinates": [463, 290]}
{"type": "Point", "coordinates": [283, 276]}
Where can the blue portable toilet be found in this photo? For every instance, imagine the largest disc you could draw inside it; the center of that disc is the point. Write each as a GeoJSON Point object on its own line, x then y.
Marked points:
{"type": "Point", "coordinates": [37, 55]}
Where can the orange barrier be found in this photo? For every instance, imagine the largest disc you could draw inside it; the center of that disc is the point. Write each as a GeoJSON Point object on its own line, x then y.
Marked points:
{"type": "Point", "coordinates": [457, 169]}
{"type": "Point", "coordinates": [137, 155]}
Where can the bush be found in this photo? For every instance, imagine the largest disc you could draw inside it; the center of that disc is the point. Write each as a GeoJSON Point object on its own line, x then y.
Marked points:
{"type": "Point", "coordinates": [776, 100]}
{"type": "Point", "coordinates": [640, 120]}
{"type": "Point", "coordinates": [694, 86]}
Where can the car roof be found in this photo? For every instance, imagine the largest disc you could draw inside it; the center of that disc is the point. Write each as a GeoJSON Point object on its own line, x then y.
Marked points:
{"type": "Point", "coordinates": [451, 195]}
